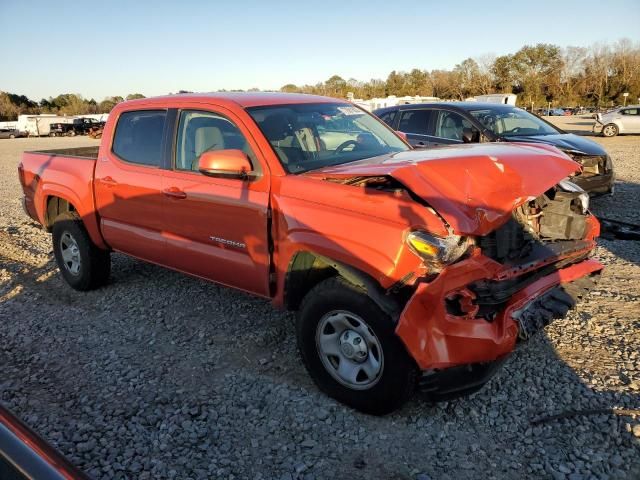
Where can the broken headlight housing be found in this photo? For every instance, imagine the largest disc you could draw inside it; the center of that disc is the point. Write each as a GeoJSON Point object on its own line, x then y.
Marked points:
{"type": "Point", "coordinates": [608, 163]}
{"type": "Point", "coordinates": [437, 252]}
{"type": "Point", "coordinates": [568, 186]}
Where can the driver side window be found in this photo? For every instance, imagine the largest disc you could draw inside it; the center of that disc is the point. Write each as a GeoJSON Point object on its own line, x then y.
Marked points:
{"type": "Point", "coordinates": [200, 132]}
{"type": "Point", "coordinates": [451, 125]}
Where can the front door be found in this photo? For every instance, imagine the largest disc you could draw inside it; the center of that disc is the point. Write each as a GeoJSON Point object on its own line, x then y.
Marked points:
{"type": "Point", "coordinates": [216, 228]}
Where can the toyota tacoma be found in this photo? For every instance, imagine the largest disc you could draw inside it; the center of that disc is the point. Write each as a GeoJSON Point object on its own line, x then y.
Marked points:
{"type": "Point", "coordinates": [407, 268]}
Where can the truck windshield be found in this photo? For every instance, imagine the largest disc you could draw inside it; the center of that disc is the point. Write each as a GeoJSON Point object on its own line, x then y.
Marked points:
{"type": "Point", "coordinates": [310, 136]}
{"type": "Point", "coordinates": [512, 121]}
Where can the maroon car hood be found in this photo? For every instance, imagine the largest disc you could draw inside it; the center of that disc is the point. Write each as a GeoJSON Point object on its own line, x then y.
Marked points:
{"type": "Point", "coordinates": [473, 187]}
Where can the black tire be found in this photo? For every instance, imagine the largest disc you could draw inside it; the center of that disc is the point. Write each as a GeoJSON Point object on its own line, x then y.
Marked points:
{"type": "Point", "coordinates": [396, 381]}
{"type": "Point", "coordinates": [610, 130]}
{"type": "Point", "coordinates": [94, 264]}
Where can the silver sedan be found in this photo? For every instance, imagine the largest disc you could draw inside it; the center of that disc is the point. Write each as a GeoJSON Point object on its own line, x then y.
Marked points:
{"type": "Point", "coordinates": [620, 120]}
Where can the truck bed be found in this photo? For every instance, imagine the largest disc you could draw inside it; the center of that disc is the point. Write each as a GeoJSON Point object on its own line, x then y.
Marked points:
{"type": "Point", "coordinates": [90, 153]}
{"type": "Point", "coordinates": [66, 173]}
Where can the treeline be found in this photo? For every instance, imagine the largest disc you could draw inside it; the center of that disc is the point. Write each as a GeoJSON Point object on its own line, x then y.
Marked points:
{"type": "Point", "coordinates": [12, 105]}
{"type": "Point", "coordinates": [543, 73]}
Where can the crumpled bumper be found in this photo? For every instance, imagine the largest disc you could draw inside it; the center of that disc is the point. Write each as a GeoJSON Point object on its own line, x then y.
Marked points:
{"type": "Point", "coordinates": [602, 183]}
{"type": "Point", "coordinates": [438, 339]}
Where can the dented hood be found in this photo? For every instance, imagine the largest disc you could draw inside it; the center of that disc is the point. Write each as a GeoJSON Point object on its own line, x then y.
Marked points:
{"type": "Point", "coordinates": [473, 187]}
{"type": "Point", "coordinates": [565, 142]}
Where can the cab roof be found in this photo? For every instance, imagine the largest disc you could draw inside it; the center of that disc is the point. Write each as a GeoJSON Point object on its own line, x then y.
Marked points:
{"type": "Point", "coordinates": [242, 99]}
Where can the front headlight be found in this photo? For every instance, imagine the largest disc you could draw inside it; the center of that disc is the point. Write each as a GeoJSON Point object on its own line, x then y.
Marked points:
{"type": "Point", "coordinates": [568, 186]}
{"type": "Point", "coordinates": [437, 252]}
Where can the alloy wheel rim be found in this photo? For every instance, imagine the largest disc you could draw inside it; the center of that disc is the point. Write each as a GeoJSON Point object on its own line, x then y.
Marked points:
{"type": "Point", "coordinates": [349, 350]}
{"type": "Point", "coordinates": [70, 253]}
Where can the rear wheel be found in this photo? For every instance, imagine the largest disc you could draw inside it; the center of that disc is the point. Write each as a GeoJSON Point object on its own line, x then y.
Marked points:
{"type": "Point", "coordinates": [350, 349]}
{"type": "Point", "coordinates": [12, 136]}
{"type": "Point", "coordinates": [83, 265]}
{"type": "Point", "coordinates": [610, 130]}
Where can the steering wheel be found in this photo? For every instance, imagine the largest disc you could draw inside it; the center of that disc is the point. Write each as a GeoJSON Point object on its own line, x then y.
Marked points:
{"type": "Point", "coordinates": [344, 145]}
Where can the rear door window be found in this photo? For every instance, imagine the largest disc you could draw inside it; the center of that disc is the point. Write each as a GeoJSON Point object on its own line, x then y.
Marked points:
{"type": "Point", "coordinates": [138, 137]}
{"type": "Point", "coordinates": [415, 121]}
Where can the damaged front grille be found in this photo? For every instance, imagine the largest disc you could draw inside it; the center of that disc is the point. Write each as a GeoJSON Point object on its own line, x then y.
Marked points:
{"type": "Point", "coordinates": [548, 231]}
{"type": "Point", "coordinates": [555, 216]}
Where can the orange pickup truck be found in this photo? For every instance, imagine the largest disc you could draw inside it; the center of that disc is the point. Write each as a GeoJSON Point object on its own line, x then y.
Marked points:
{"type": "Point", "coordinates": [408, 268]}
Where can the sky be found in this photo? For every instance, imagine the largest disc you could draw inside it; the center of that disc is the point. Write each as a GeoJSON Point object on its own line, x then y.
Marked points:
{"type": "Point", "coordinates": [103, 48]}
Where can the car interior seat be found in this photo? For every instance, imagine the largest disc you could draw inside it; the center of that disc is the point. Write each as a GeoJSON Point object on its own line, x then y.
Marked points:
{"type": "Point", "coordinates": [206, 138]}
{"type": "Point", "coordinates": [451, 128]}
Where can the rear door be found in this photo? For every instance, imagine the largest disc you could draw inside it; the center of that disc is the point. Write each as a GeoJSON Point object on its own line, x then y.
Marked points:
{"type": "Point", "coordinates": [128, 185]}
{"type": "Point", "coordinates": [215, 227]}
{"type": "Point", "coordinates": [415, 123]}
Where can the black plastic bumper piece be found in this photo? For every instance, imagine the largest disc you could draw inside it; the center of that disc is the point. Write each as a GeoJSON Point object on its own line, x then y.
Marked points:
{"type": "Point", "coordinates": [449, 383]}
{"type": "Point", "coordinates": [596, 184]}
{"type": "Point", "coordinates": [553, 304]}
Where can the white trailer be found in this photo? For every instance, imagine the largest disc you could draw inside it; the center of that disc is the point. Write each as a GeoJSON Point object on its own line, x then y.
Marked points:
{"type": "Point", "coordinates": [501, 98]}
{"type": "Point", "coordinates": [38, 125]}
{"type": "Point", "coordinates": [390, 101]}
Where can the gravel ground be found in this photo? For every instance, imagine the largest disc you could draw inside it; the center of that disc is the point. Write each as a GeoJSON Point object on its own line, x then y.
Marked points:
{"type": "Point", "coordinates": [160, 376]}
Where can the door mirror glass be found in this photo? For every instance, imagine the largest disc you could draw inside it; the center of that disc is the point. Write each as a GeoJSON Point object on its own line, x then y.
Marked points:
{"type": "Point", "coordinates": [232, 163]}
{"type": "Point", "coordinates": [402, 135]}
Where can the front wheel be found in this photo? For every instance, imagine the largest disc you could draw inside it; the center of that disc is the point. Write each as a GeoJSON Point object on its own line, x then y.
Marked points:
{"type": "Point", "coordinates": [610, 130]}
{"type": "Point", "coordinates": [350, 349]}
{"type": "Point", "coordinates": [83, 265]}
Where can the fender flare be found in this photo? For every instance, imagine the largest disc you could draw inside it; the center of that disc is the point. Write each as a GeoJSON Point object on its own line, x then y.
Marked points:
{"type": "Point", "coordinates": [359, 279]}
{"type": "Point", "coordinates": [89, 219]}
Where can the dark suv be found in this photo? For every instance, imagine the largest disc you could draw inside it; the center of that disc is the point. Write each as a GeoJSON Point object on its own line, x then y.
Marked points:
{"type": "Point", "coordinates": [434, 124]}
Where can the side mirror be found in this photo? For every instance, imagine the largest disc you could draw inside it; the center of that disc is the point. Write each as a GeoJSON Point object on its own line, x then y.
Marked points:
{"type": "Point", "coordinates": [232, 163]}
{"type": "Point", "coordinates": [402, 135]}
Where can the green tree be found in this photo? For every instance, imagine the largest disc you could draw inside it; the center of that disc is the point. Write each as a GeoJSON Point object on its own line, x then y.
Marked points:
{"type": "Point", "coordinates": [336, 86]}
{"type": "Point", "coordinates": [290, 88]}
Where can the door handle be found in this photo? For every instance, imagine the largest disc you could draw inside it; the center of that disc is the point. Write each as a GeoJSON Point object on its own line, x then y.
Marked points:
{"type": "Point", "coordinates": [108, 181]}
{"type": "Point", "coordinates": [421, 144]}
{"type": "Point", "coordinates": [174, 192]}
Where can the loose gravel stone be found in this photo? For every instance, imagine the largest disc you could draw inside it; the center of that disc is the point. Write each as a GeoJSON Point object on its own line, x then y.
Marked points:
{"type": "Point", "coordinates": [158, 375]}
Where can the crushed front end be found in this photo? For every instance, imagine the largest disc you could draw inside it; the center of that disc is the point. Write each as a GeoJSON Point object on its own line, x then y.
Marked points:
{"type": "Point", "coordinates": [597, 175]}
{"type": "Point", "coordinates": [460, 324]}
